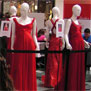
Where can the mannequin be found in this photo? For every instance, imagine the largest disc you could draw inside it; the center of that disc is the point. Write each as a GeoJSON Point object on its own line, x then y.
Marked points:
{"type": "Point", "coordinates": [73, 77]}
{"type": "Point", "coordinates": [13, 12]}
{"type": "Point", "coordinates": [76, 12]}
{"type": "Point", "coordinates": [24, 31]}
{"type": "Point", "coordinates": [54, 61]}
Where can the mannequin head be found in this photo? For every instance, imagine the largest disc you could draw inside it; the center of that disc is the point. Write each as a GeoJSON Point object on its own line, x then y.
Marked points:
{"type": "Point", "coordinates": [13, 10]}
{"type": "Point", "coordinates": [24, 9]}
{"type": "Point", "coordinates": [56, 11]}
{"type": "Point", "coordinates": [76, 9]}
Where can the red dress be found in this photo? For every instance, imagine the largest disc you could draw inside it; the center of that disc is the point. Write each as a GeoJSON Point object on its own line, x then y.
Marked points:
{"type": "Point", "coordinates": [9, 55]}
{"type": "Point", "coordinates": [75, 78]}
{"type": "Point", "coordinates": [23, 68]}
{"type": "Point", "coordinates": [54, 61]}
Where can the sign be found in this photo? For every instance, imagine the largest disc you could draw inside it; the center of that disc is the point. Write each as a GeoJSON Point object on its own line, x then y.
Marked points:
{"type": "Point", "coordinates": [5, 28]}
{"type": "Point", "coordinates": [60, 28]}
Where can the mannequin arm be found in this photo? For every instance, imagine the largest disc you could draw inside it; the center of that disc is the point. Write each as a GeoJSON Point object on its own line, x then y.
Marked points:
{"type": "Point", "coordinates": [13, 35]}
{"type": "Point", "coordinates": [86, 44]}
{"type": "Point", "coordinates": [66, 33]}
{"type": "Point", "coordinates": [63, 44]}
{"type": "Point", "coordinates": [34, 35]}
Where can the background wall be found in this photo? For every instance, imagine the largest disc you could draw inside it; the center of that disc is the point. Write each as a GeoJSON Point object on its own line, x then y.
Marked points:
{"type": "Point", "coordinates": [85, 5]}
{"type": "Point", "coordinates": [60, 5]}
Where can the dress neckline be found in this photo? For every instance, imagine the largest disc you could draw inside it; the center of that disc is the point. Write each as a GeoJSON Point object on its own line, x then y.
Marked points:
{"type": "Point", "coordinates": [75, 23]}
{"type": "Point", "coordinates": [26, 24]}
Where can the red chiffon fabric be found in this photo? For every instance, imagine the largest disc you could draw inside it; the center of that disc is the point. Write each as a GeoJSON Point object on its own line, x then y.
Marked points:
{"type": "Point", "coordinates": [23, 68]}
{"type": "Point", "coordinates": [75, 79]}
{"type": "Point", "coordinates": [9, 55]}
{"type": "Point", "coordinates": [54, 62]}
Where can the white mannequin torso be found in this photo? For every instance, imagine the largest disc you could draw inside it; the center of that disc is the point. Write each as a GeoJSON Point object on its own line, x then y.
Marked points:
{"type": "Point", "coordinates": [49, 24]}
{"type": "Point", "coordinates": [56, 13]}
{"type": "Point", "coordinates": [24, 20]}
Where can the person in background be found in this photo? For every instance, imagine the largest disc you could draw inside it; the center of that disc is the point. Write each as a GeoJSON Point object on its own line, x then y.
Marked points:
{"type": "Point", "coordinates": [41, 35]}
{"type": "Point", "coordinates": [86, 36]}
{"type": "Point", "coordinates": [42, 44]}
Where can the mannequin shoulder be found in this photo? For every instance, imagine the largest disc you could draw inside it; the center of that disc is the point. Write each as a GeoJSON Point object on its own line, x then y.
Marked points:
{"type": "Point", "coordinates": [61, 20]}
{"type": "Point", "coordinates": [11, 19]}
{"type": "Point", "coordinates": [68, 22]}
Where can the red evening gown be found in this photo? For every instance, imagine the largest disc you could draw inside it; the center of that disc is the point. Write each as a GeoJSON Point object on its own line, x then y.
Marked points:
{"type": "Point", "coordinates": [23, 70]}
{"type": "Point", "coordinates": [75, 79]}
{"type": "Point", "coordinates": [54, 61]}
{"type": "Point", "coordinates": [9, 55]}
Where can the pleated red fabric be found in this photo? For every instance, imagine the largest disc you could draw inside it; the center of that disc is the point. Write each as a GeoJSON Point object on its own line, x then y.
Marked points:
{"type": "Point", "coordinates": [54, 61]}
{"type": "Point", "coordinates": [23, 69]}
{"type": "Point", "coordinates": [73, 77]}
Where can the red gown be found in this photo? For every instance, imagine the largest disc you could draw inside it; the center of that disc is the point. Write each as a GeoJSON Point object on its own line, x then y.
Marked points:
{"type": "Point", "coordinates": [9, 55]}
{"type": "Point", "coordinates": [23, 70]}
{"type": "Point", "coordinates": [75, 78]}
{"type": "Point", "coordinates": [54, 61]}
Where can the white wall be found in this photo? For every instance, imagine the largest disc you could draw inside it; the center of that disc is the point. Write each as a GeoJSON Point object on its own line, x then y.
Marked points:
{"type": "Point", "coordinates": [85, 24]}
{"type": "Point", "coordinates": [60, 5]}
{"type": "Point", "coordinates": [39, 19]}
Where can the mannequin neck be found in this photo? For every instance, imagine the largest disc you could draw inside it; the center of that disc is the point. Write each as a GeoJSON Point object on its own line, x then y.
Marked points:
{"type": "Point", "coordinates": [13, 14]}
{"type": "Point", "coordinates": [24, 17]}
{"type": "Point", "coordinates": [55, 16]}
{"type": "Point", "coordinates": [74, 18]}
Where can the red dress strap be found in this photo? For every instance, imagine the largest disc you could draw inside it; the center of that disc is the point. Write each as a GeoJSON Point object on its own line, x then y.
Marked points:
{"type": "Point", "coordinates": [52, 21]}
{"type": "Point", "coordinates": [54, 24]}
{"type": "Point", "coordinates": [14, 19]}
{"type": "Point", "coordinates": [33, 21]}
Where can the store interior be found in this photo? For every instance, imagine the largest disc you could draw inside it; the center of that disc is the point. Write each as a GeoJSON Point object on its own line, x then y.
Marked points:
{"type": "Point", "coordinates": [41, 10]}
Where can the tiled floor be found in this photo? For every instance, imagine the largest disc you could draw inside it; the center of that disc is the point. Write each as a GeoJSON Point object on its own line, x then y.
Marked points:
{"type": "Point", "coordinates": [42, 88]}
{"type": "Point", "coordinates": [88, 80]}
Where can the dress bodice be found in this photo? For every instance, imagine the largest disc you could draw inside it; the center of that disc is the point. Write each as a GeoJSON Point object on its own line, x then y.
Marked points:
{"type": "Point", "coordinates": [23, 28]}
{"type": "Point", "coordinates": [23, 35]}
{"type": "Point", "coordinates": [75, 31]}
{"type": "Point", "coordinates": [75, 37]}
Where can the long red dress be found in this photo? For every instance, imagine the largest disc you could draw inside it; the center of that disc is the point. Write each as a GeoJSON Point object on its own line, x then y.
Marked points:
{"type": "Point", "coordinates": [54, 61]}
{"type": "Point", "coordinates": [23, 68]}
{"type": "Point", "coordinates": [8, 57]}
{"type": "Point", "coordinates": [75, 78]}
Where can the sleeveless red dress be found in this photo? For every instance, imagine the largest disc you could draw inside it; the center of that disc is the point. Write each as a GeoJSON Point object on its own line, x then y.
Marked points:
{"type": "Point", "coordinates": [54, 61]}
{"type": "Point", "coordinates": [75, 79]}
{"type": "Point", "coordinates": [9, 55]}
{"type": "Point", "coordinates": [23, 70]}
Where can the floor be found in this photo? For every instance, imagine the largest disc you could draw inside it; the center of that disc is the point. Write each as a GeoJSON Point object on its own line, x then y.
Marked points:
{"type": "Point", "coordinates": [42, 88]}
